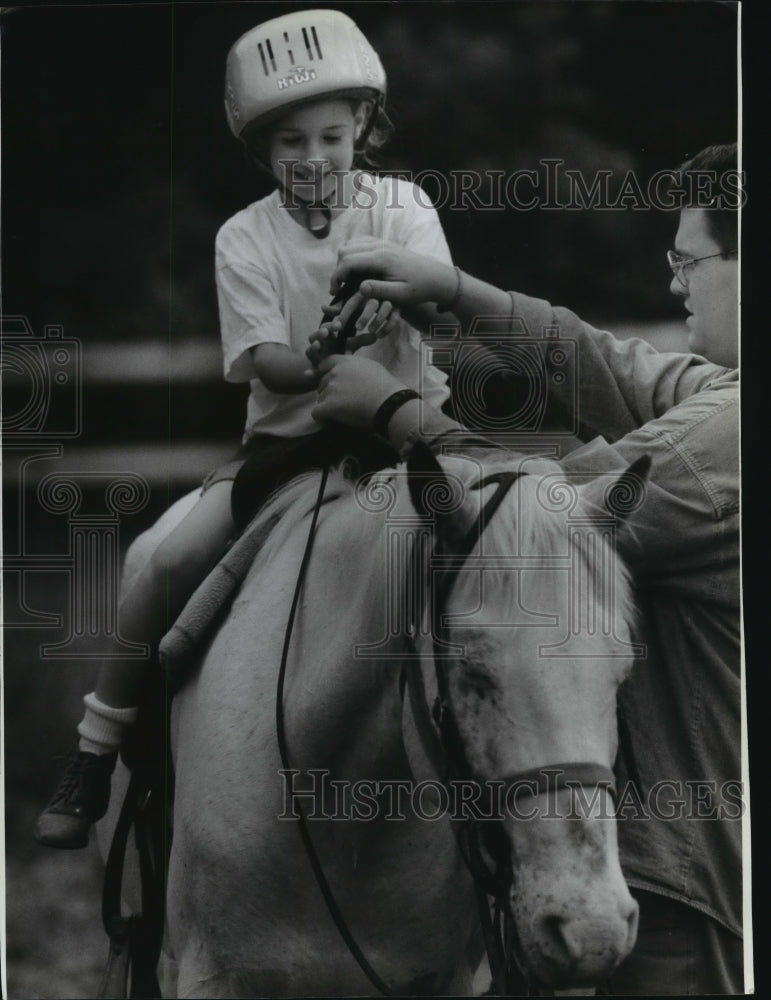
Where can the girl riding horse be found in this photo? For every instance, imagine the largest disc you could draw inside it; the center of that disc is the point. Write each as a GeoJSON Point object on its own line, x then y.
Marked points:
{"type": "Point", "coordinates": [305, 95]}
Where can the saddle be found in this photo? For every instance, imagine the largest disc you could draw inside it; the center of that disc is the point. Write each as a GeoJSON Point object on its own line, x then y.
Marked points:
{"type": "Point", "coordinates": [272, 464]}
{"type": "Point", "coordinates": [209, 603]}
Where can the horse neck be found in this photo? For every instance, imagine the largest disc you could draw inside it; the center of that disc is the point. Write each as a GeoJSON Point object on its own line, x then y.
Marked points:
{"type": "Point", "coordinates": [342, 683]}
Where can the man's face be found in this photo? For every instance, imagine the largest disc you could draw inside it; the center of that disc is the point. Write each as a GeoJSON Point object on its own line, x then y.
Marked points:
{"type": "Point", "coordinates": [711, 292]}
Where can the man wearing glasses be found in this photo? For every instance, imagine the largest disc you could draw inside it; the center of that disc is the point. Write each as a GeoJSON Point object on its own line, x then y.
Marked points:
{"type": "Point", "coordinates": [680, 801]}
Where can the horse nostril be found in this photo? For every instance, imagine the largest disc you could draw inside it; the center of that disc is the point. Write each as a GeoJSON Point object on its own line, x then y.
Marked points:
{"type": "Point", "coordinates": [574, 942]}
{"type": "Point", "coordinates": [556, 930]}
{"type": "Point", "coordinates": [632, 920]}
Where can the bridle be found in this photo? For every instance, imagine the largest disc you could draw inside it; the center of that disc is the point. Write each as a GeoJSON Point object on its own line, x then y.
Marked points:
{"type": "Point", "coordinates": [483, 843]}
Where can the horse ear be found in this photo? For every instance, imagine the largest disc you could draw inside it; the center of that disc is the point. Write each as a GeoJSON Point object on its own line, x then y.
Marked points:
{"type": "Point", "coordinates": [437, 497]}
{"type": "Point", "coordinates": [628, 491]}
{"type": "Point", "coordinates": [424, 475]}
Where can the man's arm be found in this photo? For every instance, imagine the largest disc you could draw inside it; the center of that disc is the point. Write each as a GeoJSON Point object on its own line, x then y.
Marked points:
{"type": "Point", "coordinates": [687, 521]}
{"type": "Point", "coordinates": [684, 534]}
{"type": "Point", "coordinates": [351, 390]}
{"type": "Point", "coordinates": [624, 384]}
{"type": "Point", "coordinates": [617, 385]}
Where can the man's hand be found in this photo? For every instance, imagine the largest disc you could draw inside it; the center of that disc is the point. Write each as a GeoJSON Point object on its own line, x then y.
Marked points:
{"type": "Point", "coordinates": [402, 277]}
{"type": "Point", "coordinates": [351, 389]}
{"type": "Point", "coordinates": [375, 320]}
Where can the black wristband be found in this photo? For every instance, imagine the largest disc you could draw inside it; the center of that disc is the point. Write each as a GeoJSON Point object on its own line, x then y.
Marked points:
{"type": "Point", "coordinates": [388, 407]}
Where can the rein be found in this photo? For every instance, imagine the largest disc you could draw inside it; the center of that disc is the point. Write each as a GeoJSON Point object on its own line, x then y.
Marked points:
{"type": "Point", "coordinates": [348, 290]}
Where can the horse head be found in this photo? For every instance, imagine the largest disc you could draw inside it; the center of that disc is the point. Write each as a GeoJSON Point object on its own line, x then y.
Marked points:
{"type": "Point", "coordinates": [522, 642]}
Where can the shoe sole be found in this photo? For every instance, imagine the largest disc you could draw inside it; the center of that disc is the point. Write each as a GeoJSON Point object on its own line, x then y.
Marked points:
{"type": "Point", "coordinates": [65, 845]}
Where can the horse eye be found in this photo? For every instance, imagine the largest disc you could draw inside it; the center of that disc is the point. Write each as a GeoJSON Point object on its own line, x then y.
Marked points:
{"type": "Point", "coordinates": [474, 680]}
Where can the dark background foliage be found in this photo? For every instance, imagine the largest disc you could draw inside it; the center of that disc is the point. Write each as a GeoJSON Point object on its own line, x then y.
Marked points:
{"type": "Point", "coordinates": [119, 168]}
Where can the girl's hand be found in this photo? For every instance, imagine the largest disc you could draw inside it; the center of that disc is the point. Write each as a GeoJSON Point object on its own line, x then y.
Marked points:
{"type": "Point", "coordinates": [376, 320]}
{"type": "Point", "coordinates": [323, 342]}
{"type": "Point", "coordinates": [351, 389]}
{"type": "Point", "coordinates": [401, 276]}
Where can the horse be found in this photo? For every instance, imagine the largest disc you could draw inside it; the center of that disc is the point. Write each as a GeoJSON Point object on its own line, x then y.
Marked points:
{"type": "Point", "coordinates": [460, 626]}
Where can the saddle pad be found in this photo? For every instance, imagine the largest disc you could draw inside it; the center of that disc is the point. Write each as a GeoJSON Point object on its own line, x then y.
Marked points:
{"type": "Point", "coordinates": [204, 609]}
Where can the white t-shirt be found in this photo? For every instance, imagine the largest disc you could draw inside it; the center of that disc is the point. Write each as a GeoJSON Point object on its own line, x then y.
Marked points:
{"type": "Point", "coordinates": [273, 278]}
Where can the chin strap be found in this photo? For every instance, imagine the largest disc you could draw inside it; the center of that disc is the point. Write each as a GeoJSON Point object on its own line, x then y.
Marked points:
{"type": "Point", "coordinates": [318, 220]}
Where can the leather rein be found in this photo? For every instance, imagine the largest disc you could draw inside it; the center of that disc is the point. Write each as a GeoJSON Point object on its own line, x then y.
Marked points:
{"type": "Point", "coordinates": [484, 846]}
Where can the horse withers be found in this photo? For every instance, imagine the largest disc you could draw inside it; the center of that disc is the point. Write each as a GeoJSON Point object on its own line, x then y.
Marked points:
{"type": "Point", "coordinates": [456, 655]}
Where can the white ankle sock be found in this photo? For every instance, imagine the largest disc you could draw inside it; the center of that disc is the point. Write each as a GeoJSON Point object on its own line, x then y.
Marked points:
{"type": "Point", "coordinates": [101, 728]}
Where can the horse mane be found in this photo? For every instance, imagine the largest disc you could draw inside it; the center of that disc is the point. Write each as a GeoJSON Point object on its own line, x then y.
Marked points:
{"type": "Point", "coordinates": [523, 524]}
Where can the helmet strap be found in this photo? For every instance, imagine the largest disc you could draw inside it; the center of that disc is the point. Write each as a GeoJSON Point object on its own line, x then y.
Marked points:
{"type": "Point", "coordinates": [318, 217]}
{"type": "Point", "coordinates": [318, 220]}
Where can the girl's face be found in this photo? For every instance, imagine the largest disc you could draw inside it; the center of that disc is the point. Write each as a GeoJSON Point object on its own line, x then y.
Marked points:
{"type": "Point", "coordinates": [313, 144]}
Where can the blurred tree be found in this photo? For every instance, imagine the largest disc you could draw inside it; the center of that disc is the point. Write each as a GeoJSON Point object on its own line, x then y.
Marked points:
{"type": "Point", "coordinates": [119, 168]}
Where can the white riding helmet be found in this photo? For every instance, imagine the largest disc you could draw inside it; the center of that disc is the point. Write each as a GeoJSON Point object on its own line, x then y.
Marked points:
{"type": "Point", "coordinates": [296, 58]}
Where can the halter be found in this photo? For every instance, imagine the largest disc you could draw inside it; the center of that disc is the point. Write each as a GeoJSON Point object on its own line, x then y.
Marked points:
{"type": "Point", "coordinates": [439, 733]}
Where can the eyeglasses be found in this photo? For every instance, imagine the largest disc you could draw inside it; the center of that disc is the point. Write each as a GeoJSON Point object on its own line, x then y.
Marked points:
{"type": "Point", "coordinates": [682, 267]}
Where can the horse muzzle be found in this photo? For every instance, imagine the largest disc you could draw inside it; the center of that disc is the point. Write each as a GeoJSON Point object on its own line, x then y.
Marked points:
{"type": "Point", "coordinates": [576, 919]}
{"type": "Point", "coordinates": [561, 951]}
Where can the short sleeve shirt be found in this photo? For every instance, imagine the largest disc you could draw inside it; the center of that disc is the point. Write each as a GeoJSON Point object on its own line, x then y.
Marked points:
{"type": "Point", "coordinates": [273, 279]}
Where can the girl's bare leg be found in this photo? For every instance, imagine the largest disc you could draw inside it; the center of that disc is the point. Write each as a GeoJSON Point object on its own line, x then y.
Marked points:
{"type": "Point", "coordinates": [162, 589]}
{"type": "Point", "coordinates": [148, 610]}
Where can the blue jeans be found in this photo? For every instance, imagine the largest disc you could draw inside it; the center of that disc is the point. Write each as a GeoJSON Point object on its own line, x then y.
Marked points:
{"type": "Point", "coordinates": [680, 951]}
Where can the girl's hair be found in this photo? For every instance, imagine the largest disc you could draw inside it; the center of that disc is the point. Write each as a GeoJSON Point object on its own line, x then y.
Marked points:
{"type": "Point", "coordinates": [256, 135]}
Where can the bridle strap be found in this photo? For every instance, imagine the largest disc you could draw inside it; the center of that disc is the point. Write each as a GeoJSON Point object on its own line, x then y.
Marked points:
{"type": "Point", "coordinates": [505, 480]}
{"type": "Point", "coordinates": [555, 777]}
{"type": "Point", "coordinates": [440, 737]}
{"type": "Point", "coordinates": [302, 823]}
{"type": "Point", "coordinates": [412, 679]}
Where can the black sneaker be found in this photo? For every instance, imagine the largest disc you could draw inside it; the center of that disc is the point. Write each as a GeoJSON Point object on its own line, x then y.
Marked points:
{"type": "Point", "coordinates": [80, 800]}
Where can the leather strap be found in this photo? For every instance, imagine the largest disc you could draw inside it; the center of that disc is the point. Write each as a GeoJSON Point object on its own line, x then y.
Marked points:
{"type": "Point", "coordinates": [302, 823]}
{"type": "Point", "coordinates": [135, 941]}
